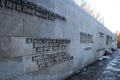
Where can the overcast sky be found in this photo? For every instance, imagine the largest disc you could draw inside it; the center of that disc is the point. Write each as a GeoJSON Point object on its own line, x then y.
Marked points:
{"type": "Point", "coordinates": [109, 10]}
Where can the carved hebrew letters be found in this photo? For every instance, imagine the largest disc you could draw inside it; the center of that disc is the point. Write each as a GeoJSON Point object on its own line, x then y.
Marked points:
{"type": "Point", "coordinates": [31, 9]}
{"type": "Point", "coordinates": [46, 60]}
{"type": "Point", "coordinates": [50, 51]}
{"type": "Point", "coordinates": [86, 38]}
{"type": "Point", "coordinates": [43, 45]}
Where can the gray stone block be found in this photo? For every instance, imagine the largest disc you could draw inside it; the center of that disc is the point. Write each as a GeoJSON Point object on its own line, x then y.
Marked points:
{"type": "Point", "coordinates": [38, 2]}
{"type": "Point", "coordinates": [48, 4]}
{"type": "Point", "coordinates": [6, 11]}
{"type": "Point", "coordinates": [41, 77]}
{"type": "Point", "coordinates": [10, 25]}
{"type": "Point", "coordinates": [19, 47]}
{"type": "Point", "coordinates": [56, 72]}
{"type": "Point", "coordinates": [5, 47]}
{"type": "Point", "coordinates": [11, 67]}
{"type": "Point", "coordinates": [27, 76]}
{"type": "Point", "coordinates": [15, 46]}
{"type": "Point", "coordinates": [60, 7]}
{"type": "Point", "coordinates": [29, 65]}
{"type": "Point", "coordinates": [59, 29]}
{"type": "Point", "coordinates": [37, 29]}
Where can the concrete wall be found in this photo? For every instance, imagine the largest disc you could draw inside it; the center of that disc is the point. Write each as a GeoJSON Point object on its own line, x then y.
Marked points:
{"type": "Point", "coordinates": [16, 55]}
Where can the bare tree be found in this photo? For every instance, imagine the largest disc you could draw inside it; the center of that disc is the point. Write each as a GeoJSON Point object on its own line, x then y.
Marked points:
{"type": "Point", "coordinates": [86, 8]}
{"type": "Point", "coordinates": [117, 33]}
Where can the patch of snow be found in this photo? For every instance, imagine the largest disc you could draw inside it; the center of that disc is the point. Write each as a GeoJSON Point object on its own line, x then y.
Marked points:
{"type": "Point", "coordinates": [114, 61]}
{"type": "Point", "coordinates": [106, 57]}
{"type": "Point", "coordinates": [101, 58]}
{"type": "Point", "coordinates": [118, 75]}
{"type": "Point", "coordinates": [112, 68]}
{"type": "Point", "coordinates": [106, 72]}
{"type": "Point", "coordinates": [112, 64]}
{"type": "Point", "coordinates": [117, 59]}
{"type": "Point", "coordinates": [108, 78]}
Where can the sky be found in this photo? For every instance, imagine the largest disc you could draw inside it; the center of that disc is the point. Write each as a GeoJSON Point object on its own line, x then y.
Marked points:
{"type": "Point", "coordinates": [109, 10]}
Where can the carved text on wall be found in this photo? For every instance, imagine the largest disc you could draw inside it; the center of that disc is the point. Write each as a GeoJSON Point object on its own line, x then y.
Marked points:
{"type": "Point", "coordinates": [49, 51]}
{"type": "Point", "coordinates": [47, 60]}
{"type": "Point", "coordinates": [47, 44]}
{"type": "Point", "coordinates": [31, 9]}
{"type": "Point", "coordinates": [86, 38]}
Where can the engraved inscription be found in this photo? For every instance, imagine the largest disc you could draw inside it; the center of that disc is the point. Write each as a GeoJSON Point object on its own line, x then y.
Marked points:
{"type": "Point", "coordinates": [47, 60]}
{"type": "Point", "coordinates": [87, 48]}
{"type": "Point", "coordinates": [102, 49]}
{"type": "Point", "coordinates": [86, 38]}
{"type": "Point", "coordinates": [101, 34]}
{"type": "Point", "coordinates": [1, 3]}
{"type": "Point", "coordinates": [31, 9]}
{"type": "Point", "coordinates": [45, 45]}
{"type": "Point", "coordinates": [9, 4]}
{"type": "Point", "coordinates": [50, 51]}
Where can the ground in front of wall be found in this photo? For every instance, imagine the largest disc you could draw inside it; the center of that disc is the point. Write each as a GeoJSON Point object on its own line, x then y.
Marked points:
{"type": "Point", "coordinates": [107, 68]}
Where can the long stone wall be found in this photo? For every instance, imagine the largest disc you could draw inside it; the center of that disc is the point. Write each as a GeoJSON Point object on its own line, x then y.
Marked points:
{"type": "Point", "coordinates": [46, 39]}
{"type": "Point", "coordinates": [28, 48]}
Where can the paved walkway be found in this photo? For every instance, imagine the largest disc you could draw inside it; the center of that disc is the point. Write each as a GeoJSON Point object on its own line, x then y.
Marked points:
{"type": "Point", "coordinates": [106, 69]}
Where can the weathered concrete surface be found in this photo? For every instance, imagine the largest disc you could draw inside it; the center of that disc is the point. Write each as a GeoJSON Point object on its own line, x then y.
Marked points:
{"type": "Point", "coordinates": [16, 54]}
{"type": "Point", "coordinates": [5, 47]}
{"type": "Point", "coordinates": [10, 28]}
{"type": "Point", "coordinates": [106, 69]}
{"type": "Point", "coordinates": [11, 67]}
